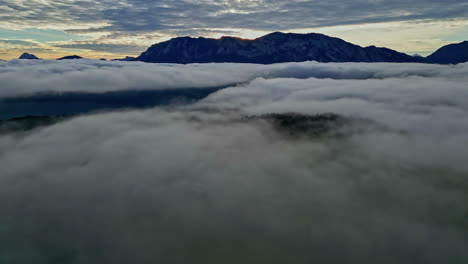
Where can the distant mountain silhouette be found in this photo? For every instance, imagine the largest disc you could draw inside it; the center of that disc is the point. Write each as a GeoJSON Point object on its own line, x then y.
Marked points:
{"type": "Point", "coordinates": [28, 56]}
{"type": "Point", "coordinates": [128, 58]}
{"type": "Point", "coordinates": [450, 54]}
{"type": "Point", "coordinates": [272, 48]}
{"type": "Point", "coordinates": [73, 57]}
{"type": "Point", "coordinates": [280, 47]}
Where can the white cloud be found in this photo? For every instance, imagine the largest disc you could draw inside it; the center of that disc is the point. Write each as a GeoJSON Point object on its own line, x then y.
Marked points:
{"type": "Point", "coordinates": [396, 101]}
{"type": "Point", "coordinates": [21, 78]}
{"type": "Point", "coordinates": [202, 184]}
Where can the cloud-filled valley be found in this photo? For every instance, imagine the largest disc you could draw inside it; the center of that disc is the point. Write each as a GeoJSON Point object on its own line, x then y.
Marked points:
{"type": "Point", "coordinates": [22, 78]}
{"type": "Point", "coordinates": [216, 180]}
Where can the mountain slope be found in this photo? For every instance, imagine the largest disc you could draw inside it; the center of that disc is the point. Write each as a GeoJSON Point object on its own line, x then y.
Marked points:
{"type": "Point", "coordinates": [72, 57]}
{"type": "Point", "coordinates": [272, 48]}
{"type": "Point", "coordinates": [127, 58]}
{"type": "Point", "coordinates": [450, 54]}
{"type": "Point", "coordinates": [28, 56]}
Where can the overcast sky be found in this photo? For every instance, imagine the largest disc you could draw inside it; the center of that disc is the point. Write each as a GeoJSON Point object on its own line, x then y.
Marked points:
{"type": "Point", "coordinates": [114, 28]}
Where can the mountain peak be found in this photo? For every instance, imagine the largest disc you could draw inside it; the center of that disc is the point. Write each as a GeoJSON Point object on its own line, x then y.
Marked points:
{"type": "Point", "coordinates": [281, 35]}
{"type": "Point", "coordinates": [28, 56]}
{"type": "Point", "coordinates": [231, 38]}
{"type": "Point", "coordinates": [276, 33]}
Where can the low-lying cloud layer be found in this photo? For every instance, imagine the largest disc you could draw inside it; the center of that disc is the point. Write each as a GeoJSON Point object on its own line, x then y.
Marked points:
{"type": "Point", "coordinates": [20, 77]}
{"type": "Point", "coordinates": [204, 184]}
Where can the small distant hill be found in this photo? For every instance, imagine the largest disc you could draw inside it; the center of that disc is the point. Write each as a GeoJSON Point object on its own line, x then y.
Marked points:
{"type": "Point", "coordinates": [450, 54]}
{"type": "Point", "coordinates": [73, 57]}
{"type": "Point", "coordinates": [128, 58]}
{"type": "Point", "coordinates": [28, 56]}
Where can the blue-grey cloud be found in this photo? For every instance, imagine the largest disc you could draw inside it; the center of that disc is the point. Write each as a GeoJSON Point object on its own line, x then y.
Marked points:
{"type": "Point", "coordinates": [38, 35]}
{"type": "Point", "coordinates": [17, 42]}
{"type": "Point", "coordinates": [104, 47]}
{"type": "Point", "coordinates": [144, 15]}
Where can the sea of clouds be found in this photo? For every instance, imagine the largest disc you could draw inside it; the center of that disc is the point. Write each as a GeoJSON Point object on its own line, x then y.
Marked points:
{"type": "Point", "coordinates": [200, 183]}
{"type": "Point", "coordinates": [28, 77]}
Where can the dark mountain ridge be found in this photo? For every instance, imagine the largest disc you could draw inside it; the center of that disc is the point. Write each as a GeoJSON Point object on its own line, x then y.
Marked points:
{"type": "Point", "coordinates": [450, 54]}
{"type": "Point", "coordinates": [272, 48]}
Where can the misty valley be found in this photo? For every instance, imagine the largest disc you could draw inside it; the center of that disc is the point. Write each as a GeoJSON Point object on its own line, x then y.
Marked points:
{"type": "Point", "coordinates": [307, 162]}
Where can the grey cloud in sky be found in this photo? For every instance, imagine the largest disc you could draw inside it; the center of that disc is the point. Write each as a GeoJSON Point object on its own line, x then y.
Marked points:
{"type": "Point", "coordinates": [103, 47]}
{"type": "Point", "coordinates": [143, 15]}
{"type": "Point", "coordinates": [19, 42]}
